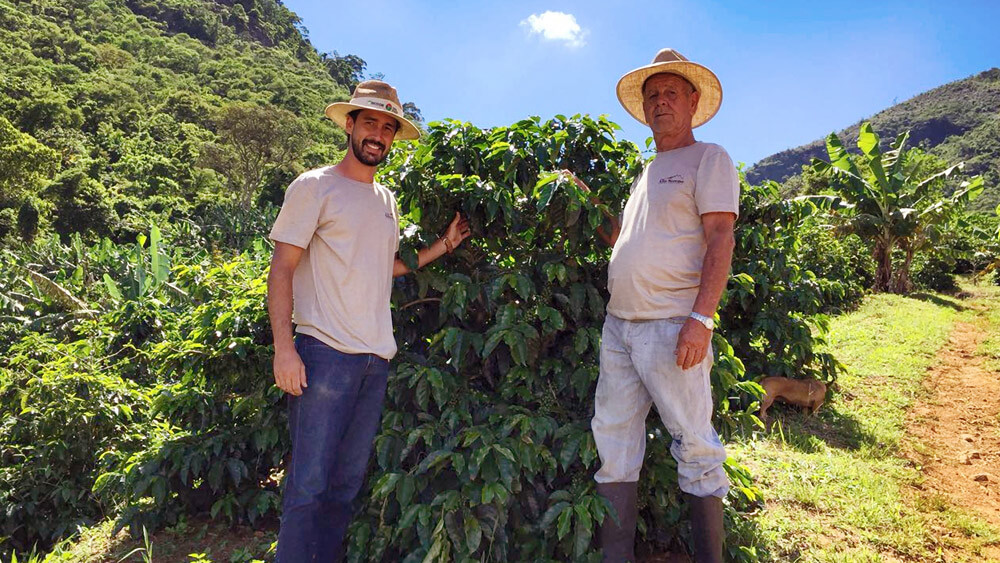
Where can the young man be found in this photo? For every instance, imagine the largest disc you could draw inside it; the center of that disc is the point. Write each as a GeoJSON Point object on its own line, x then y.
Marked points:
{"type": "Point", "coordinates": [335, 239]}
{"type": "Point", "coordinates": [669, 266]}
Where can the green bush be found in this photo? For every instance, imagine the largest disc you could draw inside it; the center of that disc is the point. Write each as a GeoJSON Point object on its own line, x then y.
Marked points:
{"type": "Point", "coordinates": [935, 273]}
{"type": "Point", "coordinates": [841, 262]}
{"type": "Point", "coordinates": [485, 448]}
{"type": "Point", "coordinates": [8, 221]}
{"type": "Point", "coordinates": [27, 220]}
{"type": "Point", "coordinates": [773, 312]}
{"type": "Point", "coordinates": [64, 416]}
{"type": "Point", "coordinates": [82, 205]}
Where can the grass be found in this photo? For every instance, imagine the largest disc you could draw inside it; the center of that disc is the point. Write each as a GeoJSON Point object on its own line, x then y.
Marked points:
{"type": "Point", "coordinates": [196, 541]}
{"type": "Point", "coordinates": [836, 485]}
{"type": "Point", "coordinates": [990, 347]}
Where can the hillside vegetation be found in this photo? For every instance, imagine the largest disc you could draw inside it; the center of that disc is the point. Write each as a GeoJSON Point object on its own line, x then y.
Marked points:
{"type": "Point", "coordinates": [113, 113]}
{"type": "Point", "coordinates": [959, 121]}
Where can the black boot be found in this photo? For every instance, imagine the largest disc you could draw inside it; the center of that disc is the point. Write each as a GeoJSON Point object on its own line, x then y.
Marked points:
{"type": "Point", "coordinates": [618, 542]}
{"type": "Point", "coordinates": [706, 528]}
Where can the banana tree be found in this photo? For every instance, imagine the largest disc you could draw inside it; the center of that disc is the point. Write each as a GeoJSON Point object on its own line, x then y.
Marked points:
{"type": "Point", "coordinates": [891, 202]}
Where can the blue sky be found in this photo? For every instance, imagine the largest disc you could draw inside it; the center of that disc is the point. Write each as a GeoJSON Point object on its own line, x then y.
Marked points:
{"type": "Point", "coordinates": [791, 71]}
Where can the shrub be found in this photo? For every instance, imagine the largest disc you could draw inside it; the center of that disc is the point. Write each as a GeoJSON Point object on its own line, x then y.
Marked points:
{"type": "Point", "coordinates": [47, 465]}
{"type": "Point", "coordinates": [935, 273]}
{"type": "Point", "coordinates": [485, 448]}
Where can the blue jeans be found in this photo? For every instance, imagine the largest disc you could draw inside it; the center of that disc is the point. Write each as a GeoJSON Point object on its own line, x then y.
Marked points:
{"type": "Point", "coordinates": [333, 424]}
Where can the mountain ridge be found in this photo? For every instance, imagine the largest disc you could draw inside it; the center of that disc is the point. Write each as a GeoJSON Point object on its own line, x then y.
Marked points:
{"type": "Point", "coordinates": [959, 121]}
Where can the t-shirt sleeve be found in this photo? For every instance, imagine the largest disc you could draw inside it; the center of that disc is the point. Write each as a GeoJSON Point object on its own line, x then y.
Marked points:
{"type": "Point", "coordinates": [631, 189]}
{"type": "Point", "coordinates": [717, 185]}
{"type": "Point", "coordinates": [299, 215]}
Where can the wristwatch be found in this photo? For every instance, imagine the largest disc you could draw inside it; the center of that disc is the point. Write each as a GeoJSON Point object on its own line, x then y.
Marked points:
{"type": "Point", "coordinates": [709, 322]}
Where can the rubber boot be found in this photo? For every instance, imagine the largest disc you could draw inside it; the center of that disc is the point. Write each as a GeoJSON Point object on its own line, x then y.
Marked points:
{"type": "Point", "coordinates": [706, 528]}
{"type": "Point", "coordinates": [618, 542]}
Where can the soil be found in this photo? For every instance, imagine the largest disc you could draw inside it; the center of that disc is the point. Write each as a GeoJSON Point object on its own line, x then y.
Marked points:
{"type": "Point", "coordinates": [955, 431]}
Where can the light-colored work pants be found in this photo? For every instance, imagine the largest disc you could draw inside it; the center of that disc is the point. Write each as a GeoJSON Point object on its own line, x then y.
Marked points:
{"type": "Point", "coordinates": [638, 369]}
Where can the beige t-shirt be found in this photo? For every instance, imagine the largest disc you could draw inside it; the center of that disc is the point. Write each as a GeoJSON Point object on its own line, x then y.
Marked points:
{"type": "Point", "coordinates": [655, 268]}
{"type": "Point", "coordinates": [342, 284]}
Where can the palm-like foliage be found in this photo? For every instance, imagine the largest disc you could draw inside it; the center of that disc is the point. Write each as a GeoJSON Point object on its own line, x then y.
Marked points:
{"type": "Point", "coordinates": [890, 201]}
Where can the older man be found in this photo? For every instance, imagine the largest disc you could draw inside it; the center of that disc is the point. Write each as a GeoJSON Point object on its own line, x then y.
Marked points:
{"type": "Point", "coordinates": [335, 243]}
{"type": "Point", "coordinates": [670, 263]}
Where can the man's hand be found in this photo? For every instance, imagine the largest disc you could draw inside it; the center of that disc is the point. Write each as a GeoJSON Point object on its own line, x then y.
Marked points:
{"type": "Point", "coordinates": [458, 230]}
{"type": "Point", "coordinates": [692, 344]}
{"type": "Point", "coordinates": [580, 184]}
{"type": "Point", "coordinates": [609, 236]}
{"type": "Point", "coordinates": [289, 372]}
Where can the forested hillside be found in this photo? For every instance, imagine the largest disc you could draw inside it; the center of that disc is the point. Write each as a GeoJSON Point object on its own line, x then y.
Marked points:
{"type": "Point", "coordinates": [959, 121]}
{"type": "Point", "coordinates": [117, 113]}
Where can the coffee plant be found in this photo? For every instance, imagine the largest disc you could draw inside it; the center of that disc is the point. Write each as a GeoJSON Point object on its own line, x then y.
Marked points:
{"type": "Point", "coordinates": [485, 450]}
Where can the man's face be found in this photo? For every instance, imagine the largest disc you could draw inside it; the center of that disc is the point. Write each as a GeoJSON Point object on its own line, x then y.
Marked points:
{"type": "Point", "coordinates": [668, 103]}
{"type": "Point", "coordinates": [371, 136]}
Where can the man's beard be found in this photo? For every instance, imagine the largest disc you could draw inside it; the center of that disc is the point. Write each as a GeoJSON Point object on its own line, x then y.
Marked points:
{"type": "Point", "coordinates": [359, 152]}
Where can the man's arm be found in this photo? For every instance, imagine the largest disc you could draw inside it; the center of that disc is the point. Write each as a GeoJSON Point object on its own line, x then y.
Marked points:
{"type": "Point", "coordinates": [609, 236]}
{"type": "Point", "coordinates": [457, 232]}
{"type": "Point", "coordinates": [694, 338]}
{"type": "Point", "coordinates": [289, 371]}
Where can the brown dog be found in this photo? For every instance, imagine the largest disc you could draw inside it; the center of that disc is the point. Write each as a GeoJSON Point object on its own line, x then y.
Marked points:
{"type": "Point", "coordinates": [806, 393]}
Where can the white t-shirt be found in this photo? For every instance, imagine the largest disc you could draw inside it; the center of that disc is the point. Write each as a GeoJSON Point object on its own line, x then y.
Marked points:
{"type": "Point", "coordinates": [655, 268]}
{"type": "Point", "coordinates": [343, 283]}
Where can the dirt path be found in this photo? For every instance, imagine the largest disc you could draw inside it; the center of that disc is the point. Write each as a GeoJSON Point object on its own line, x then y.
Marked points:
{"type": "Point", "coordinates": [956, 430]}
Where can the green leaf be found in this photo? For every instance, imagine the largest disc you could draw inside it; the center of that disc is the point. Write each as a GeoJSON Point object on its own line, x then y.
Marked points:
{"type": "Point", "coordinates": [405, 490]}
{"type": "Point", "coordinates": [564, 522]}
{"type": "Point", "coordinates": [552, 513]}
{"type": "Point", "coordinates": [408, 255]}
{"type": "Point", "coordinates": [409, 516]}
{"type": "Point", "coordinates": [545, 189]}
{"type": "Point", "coordinates": [158, 261]}
{"type": "Point", "coordinates": [570, 448]}
{"type": "Point", "coordinates": [583, 531]}
{"type": "Point", "coordinates": [504, 452]}
{"type": "Point", "coordinates": [236, 469]}
{"type": "Point", "coordinates": [386, 484]}
{"type": "Point", "coordinates": [473, 533]}
{"type": "Point", "coordinates": [868, 140]}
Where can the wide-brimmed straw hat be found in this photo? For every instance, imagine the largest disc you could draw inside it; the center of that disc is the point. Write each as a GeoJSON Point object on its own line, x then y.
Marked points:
{"type": "Point", "coordinates": [375, 95]}
{"type": "Point", "coordinates": [669, 60]}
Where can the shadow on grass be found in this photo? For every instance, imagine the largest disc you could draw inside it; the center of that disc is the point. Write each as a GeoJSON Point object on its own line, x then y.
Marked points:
{"type": "Point", "coordinates": [829, 426]}
{"type": "Point", "coordinates": [938, 300]}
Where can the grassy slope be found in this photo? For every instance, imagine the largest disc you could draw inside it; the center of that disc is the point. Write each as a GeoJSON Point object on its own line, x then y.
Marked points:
{"type": "Point", "coordinates": [836, 486]}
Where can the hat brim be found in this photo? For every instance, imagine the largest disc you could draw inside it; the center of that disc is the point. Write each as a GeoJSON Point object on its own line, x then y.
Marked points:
{"type": "Point", "coordinates": [709, 88]}
{"type": "Point", "coordinates": [337, 112]}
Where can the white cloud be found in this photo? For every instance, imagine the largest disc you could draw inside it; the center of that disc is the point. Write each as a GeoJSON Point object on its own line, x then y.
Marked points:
{"type": "Point", "coordinates": [556, 26]}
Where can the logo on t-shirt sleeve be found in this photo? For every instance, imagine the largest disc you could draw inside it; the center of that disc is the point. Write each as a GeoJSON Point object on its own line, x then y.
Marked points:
{"type": "Point", "coordinates": [675, 179]}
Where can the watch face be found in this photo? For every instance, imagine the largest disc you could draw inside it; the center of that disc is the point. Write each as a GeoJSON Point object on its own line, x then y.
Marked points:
{"type": "Point", "coordinates": [708, 322]}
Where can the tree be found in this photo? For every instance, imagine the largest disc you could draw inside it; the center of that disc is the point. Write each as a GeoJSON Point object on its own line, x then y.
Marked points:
{"type": "Point", "coordinates": [411, 111]}
{"type": "Point", "coordinates": [253, 139]}
{"type": "Point", "coordinates": [24, 164]}
{"type": "Point", "coordinates": [347, 70]}
{"type": "Point", "coordinates": [891, 200]}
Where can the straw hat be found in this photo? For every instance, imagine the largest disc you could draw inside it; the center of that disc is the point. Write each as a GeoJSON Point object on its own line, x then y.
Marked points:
{"type": "Point", "coordinates": [668, 60]}
{"type": "Point", "coordinates": [375, 95]}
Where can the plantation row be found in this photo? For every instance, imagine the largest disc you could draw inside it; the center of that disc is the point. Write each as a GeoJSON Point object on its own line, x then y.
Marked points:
{"type": "Point", "coordinates": [158, 354]}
